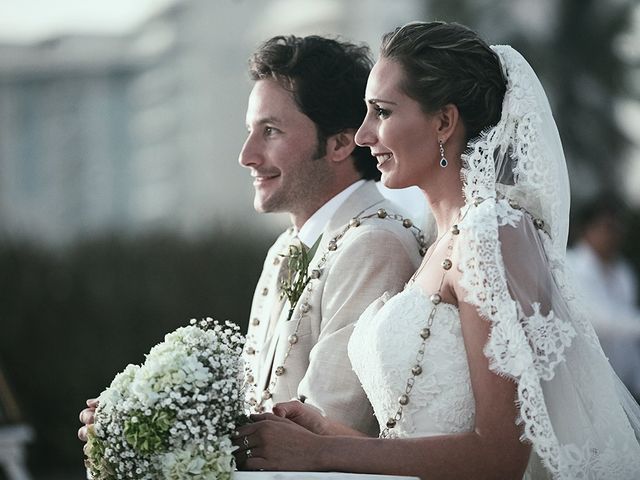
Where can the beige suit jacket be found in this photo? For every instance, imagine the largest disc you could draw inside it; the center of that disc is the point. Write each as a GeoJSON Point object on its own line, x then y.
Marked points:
{"type": "Point", "coordinates": [377, 256]}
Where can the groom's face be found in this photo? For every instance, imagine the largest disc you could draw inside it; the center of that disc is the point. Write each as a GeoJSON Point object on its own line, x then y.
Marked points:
{"type": "Point", "coordinates": [281, 151]}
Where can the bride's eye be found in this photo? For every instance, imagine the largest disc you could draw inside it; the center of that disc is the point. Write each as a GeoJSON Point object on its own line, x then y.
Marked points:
{"type": "Point", "coordinates": [382, 112]}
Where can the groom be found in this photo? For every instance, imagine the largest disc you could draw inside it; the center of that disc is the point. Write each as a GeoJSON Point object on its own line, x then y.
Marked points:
{"type": "Point", "coordinates": [347, 245]}
{"type": "Point", "coordinates": [304, 109]}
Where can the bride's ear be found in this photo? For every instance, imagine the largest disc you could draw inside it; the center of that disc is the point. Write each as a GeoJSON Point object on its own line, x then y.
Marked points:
{"type": "Point", "coordinates": [341, 145]}
{"type": "Point", "coordinates": [448, 118]}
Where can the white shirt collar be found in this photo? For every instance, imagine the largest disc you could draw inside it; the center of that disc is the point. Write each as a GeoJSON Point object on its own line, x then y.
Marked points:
{"type": "Point", "coordinates": [313, 228]}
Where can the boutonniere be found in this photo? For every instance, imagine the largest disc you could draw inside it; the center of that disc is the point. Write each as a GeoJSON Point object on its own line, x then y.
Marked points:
{"type": "Point", "coordinates": [297, 275]}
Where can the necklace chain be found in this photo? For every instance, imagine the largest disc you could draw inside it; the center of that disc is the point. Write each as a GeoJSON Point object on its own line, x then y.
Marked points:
{"type": "Point", "coordinates": [280, 370]}
{"type": "Point", "coordinates": [425, 332]}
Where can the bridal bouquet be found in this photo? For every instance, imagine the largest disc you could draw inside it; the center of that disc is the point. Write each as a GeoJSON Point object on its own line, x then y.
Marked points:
{"type": "Point", "coordinates": [172, 417]}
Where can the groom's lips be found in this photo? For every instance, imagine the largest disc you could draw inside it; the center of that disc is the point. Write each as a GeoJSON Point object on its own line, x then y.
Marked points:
{"type": "Point", "coordinates": [262, 178]}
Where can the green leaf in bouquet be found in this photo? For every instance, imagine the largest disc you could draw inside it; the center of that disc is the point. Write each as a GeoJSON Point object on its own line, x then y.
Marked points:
{"type": "Point", "coordinates": [147, 433]}
{"type": "Point", "coordinates": [96, 462]}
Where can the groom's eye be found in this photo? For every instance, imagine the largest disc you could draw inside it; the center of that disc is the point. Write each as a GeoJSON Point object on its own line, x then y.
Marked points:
{"type": "Point", "coordinates": [269, 131]}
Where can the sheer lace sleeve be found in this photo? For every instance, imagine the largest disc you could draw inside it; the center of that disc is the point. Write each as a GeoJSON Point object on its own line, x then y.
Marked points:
{"type": "Point", "coordinates": [570, 405]}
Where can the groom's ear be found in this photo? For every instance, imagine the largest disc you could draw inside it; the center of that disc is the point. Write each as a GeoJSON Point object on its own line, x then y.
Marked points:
{"type": "Point", "coordinates": [448, 120]}
{"type": "Point", "coordinates": [340, 145]}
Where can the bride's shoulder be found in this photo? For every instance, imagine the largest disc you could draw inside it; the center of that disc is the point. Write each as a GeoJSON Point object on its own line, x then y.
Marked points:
{"type": "Point", "coordinates": [513, 222]}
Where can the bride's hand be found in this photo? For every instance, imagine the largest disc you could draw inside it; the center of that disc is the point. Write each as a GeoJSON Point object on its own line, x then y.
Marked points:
{"type": "Point", "coordinates": [306, 416]}
{"type": "Point", "coordinates": [275, 443]}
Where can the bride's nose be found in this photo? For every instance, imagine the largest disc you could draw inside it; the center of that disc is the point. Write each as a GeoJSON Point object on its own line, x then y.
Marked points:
{"type": "Point", "coordinates": [365, 136]}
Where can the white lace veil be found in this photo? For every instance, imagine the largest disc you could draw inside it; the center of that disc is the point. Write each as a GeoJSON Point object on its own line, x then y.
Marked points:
{"type": "Point", "coordinates": [581, 421]}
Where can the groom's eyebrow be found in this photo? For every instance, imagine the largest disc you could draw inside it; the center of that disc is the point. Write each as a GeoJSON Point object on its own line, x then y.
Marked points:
{"type": "Point", "coordinates": [267, 120]}
{"type": "Point", "coordinates": [270, 119]}
{"type": "Point", "coordinates": [373, 101]}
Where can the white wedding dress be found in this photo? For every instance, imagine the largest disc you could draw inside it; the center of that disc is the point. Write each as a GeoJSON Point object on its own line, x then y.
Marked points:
{"type": "Point", "coordinates": [383, 349]}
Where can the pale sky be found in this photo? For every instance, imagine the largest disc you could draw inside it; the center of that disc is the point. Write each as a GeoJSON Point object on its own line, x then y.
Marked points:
{"type": "Point", "coordinates": [33, 20]}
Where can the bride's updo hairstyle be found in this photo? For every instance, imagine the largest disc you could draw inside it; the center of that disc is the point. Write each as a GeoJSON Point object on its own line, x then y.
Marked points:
{"type": "Point", "coordinates": [447, 63]}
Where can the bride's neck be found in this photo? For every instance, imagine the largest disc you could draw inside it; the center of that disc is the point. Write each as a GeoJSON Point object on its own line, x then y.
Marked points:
{"type": "Point", "coordinates": [445, 199]}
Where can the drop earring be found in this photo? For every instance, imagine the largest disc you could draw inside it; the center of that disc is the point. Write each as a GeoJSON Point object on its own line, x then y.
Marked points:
{"type": "Point", "coordinates": [443, 160]}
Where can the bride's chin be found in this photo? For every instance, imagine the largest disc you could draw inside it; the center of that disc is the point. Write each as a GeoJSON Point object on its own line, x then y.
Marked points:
{"type": "Point", "coordinates": [389, 182]}
{"type": "Point", "coordinates": [384, 179]}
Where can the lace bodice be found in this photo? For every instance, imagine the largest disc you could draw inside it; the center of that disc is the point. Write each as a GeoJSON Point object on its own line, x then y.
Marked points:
{"type": "Point", "coordinates": [383, 349]}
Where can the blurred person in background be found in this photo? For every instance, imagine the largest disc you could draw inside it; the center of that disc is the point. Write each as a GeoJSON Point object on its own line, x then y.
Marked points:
{"type": "Point", "coordinates": [14, 435]}
{"type": "Point", "coordinates": [608, 286]}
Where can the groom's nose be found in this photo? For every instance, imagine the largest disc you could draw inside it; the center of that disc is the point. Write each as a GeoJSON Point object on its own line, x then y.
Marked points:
{"type": "Point", "coordinates": [251, 153]}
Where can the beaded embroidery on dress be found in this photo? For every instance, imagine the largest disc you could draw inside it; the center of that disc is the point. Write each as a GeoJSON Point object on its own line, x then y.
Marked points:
{"type": "Point", "coordinates": [382, 350]}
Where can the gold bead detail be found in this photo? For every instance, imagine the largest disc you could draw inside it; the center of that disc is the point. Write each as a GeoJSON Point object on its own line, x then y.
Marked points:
{"type": "Point", "coordinates": [315, 273]}
{"type": "Point", "coordinates": [260, 408]}
{"type": "Point", "coordinates": [455, 230]}
{"type": "Point", "coordinates": [539, 224]}
{"type": "Point", "coordinates": [391, 423]}
{"type": "Point", "coordinates": [250, 378]}
{"type": "Point", "coordinates": [446, 264]}
{"type": "Point", "coordinates": [279, 370]}
{"type": "Point", "coordinates": [265, 291]}
{"type": "Point", "coordinates": [416, 370]}
{"type": "Point", "coordinates": [425, 333]}
{"type": "Point", "coordinates": [305, 307]}
{"type": "Point", "coordinates": [404, 399]}
{"type": "Point", "coordinates": [266, 395]}
{"type": "Point", "coordinates": [513, 204]}
{"type": "Point", "coordinates": [253, 401]}
{"type": "Point", "coordinates": [423, 251]}
{"type": "Point", "coordinates": [251, 350]}
{"type": "Point", "coordinates": [255, 321]}
{"type": "Point", "coordinates": [333, 245]}
{"type": "Point", "coordinates": [293, 338]}
{"type": "Point", "coordinates": [407, 223]}
{"type": "Point", "coordinates": [382, 213]}
{"type": "Point", "coordinates": [436, 298]}
{"type": "Point", "coordinates": [354, 222]}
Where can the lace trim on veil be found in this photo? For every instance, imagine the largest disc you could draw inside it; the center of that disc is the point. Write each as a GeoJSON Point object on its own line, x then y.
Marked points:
{"type": "Point", "coordinates": [583, 434]}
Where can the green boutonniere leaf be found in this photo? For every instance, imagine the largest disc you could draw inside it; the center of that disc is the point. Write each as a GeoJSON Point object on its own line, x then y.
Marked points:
{"type": "Point", "coordinates": [297, 277]}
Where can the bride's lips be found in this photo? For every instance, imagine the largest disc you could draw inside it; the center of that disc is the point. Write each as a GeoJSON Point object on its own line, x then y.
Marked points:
{"type": "Point", "coordinates": [382, 158]}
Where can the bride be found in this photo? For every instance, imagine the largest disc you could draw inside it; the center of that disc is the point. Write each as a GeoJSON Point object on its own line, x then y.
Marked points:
{"type": "Point", "coordinates": [485, 366]}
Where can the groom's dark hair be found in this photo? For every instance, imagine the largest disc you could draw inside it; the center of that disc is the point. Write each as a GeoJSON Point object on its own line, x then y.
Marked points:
{"type": "Point", "coordinates": [327, 79]}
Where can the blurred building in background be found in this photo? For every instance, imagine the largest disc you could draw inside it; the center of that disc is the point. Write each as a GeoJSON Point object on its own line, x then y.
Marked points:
{"type": "Point", "coordinates": [141, 132]}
